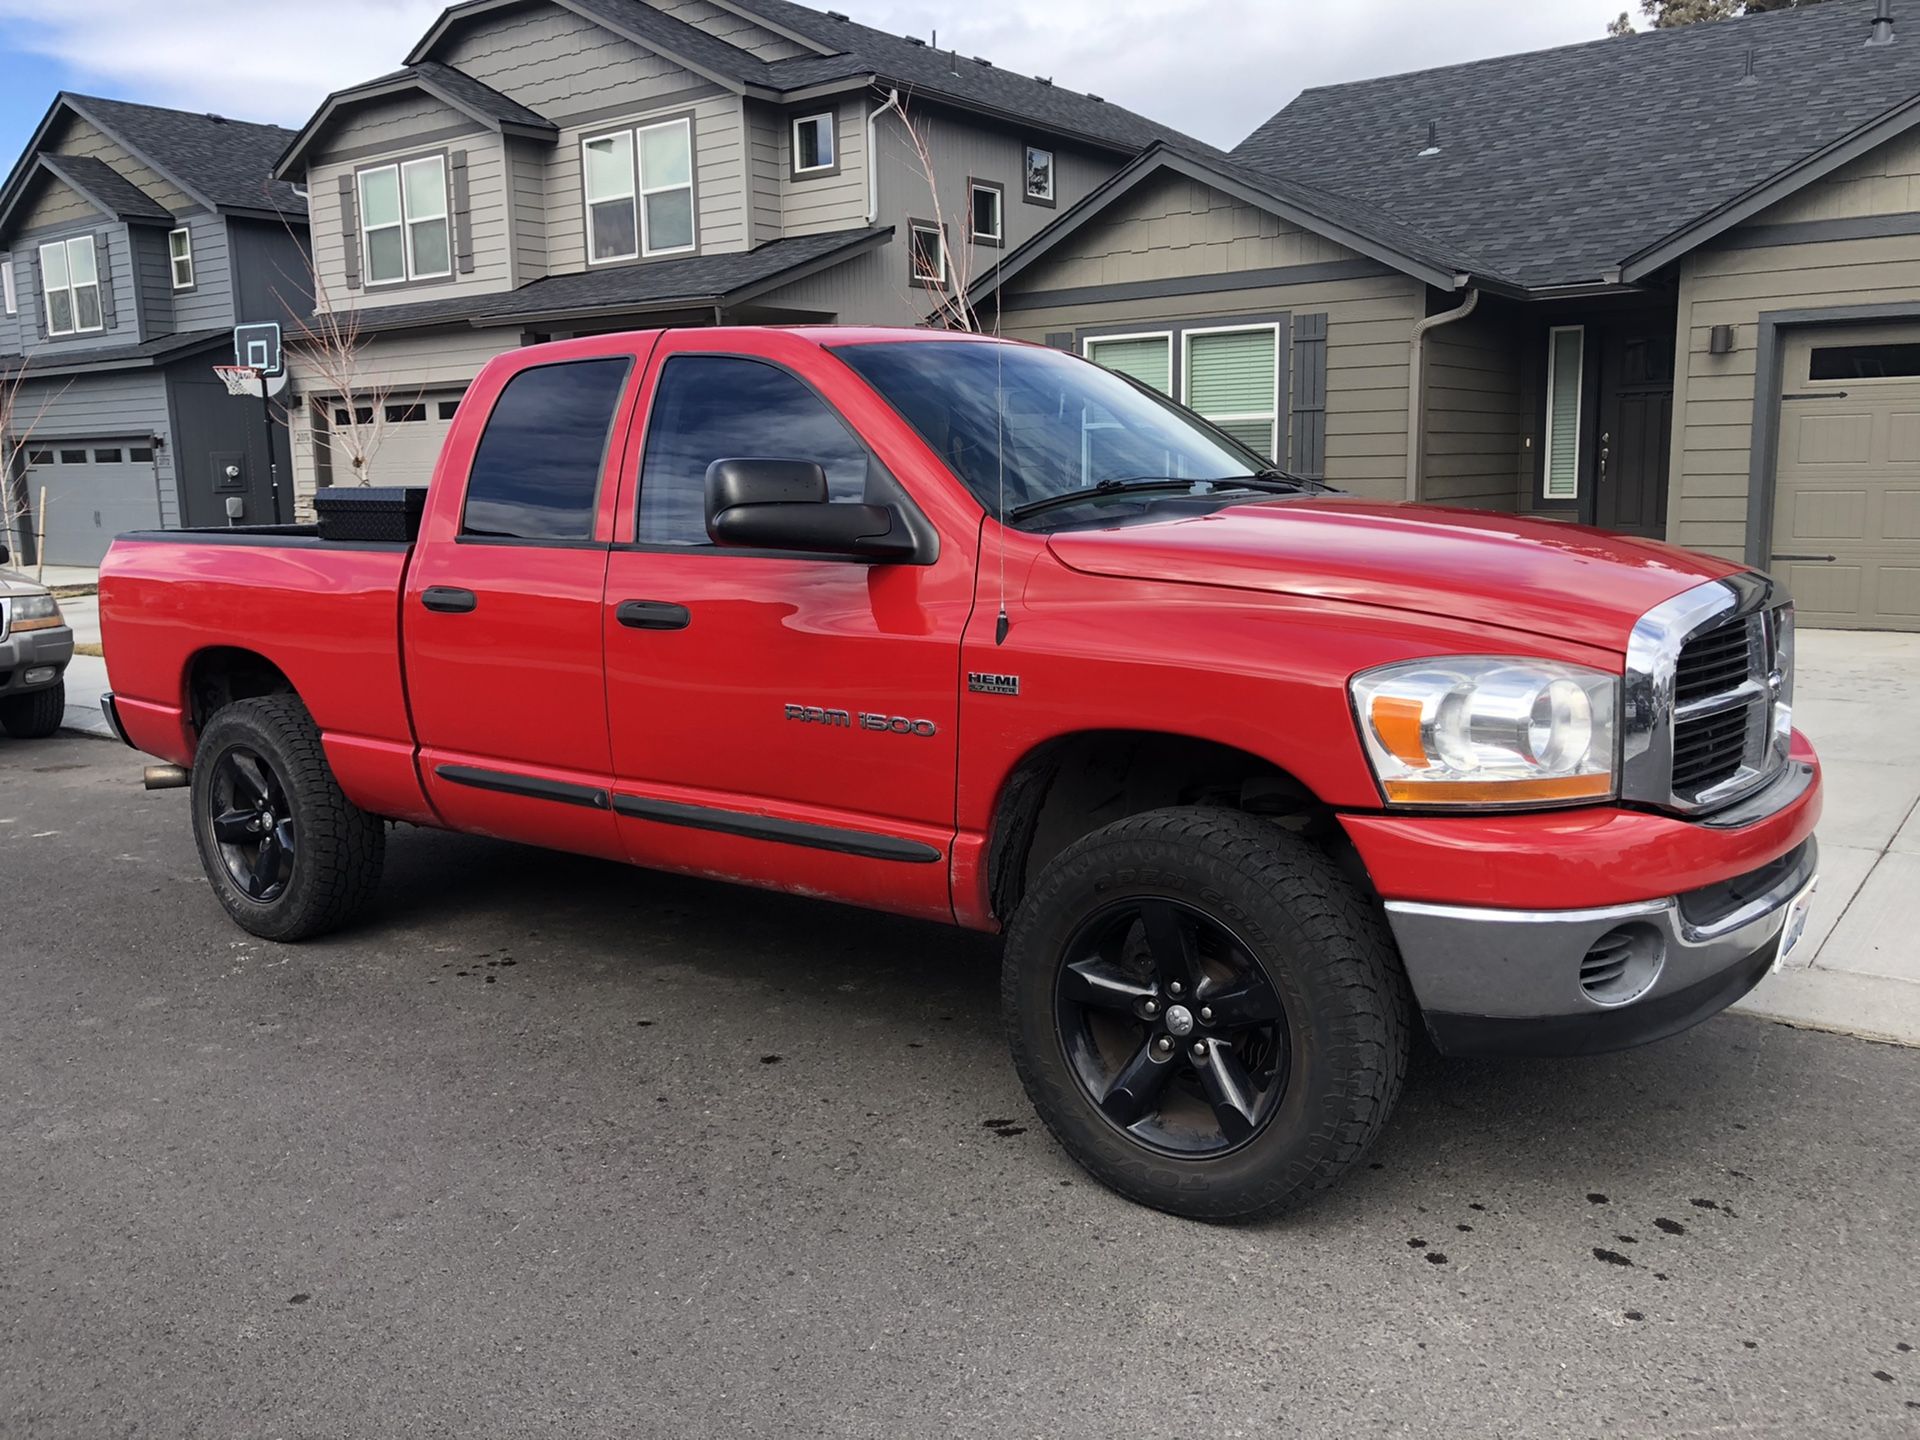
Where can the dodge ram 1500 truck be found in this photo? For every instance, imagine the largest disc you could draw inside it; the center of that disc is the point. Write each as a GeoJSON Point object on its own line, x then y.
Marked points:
{"type": "Point", "coordinates": [1248, 773]}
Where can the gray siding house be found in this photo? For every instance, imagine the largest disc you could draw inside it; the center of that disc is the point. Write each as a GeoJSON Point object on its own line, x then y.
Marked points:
{"type": "Point", "coordinates": [1668, 284]}
{"type": "Point", "coordinates": [132, 240]}
{"type": "Point", "coordinates": [545, 168]}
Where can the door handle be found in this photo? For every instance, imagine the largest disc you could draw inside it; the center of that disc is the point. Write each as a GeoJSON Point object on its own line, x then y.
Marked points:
{"type": "Point", "coordinates": [1806, 557]}
{"type": "Point", "coordinates": [653, 615]}
{"type": "Point", "coordinates": [448, 600]}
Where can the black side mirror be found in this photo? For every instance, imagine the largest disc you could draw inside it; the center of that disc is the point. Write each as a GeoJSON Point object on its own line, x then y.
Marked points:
{"type": "Point", "coordinates": [763, 504]}
{"type": "Point", "coordinates": [5, 554]}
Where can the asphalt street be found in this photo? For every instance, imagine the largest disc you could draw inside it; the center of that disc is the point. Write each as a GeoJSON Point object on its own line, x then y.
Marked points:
{"type": "Point", "coordinates": [548, 1147]}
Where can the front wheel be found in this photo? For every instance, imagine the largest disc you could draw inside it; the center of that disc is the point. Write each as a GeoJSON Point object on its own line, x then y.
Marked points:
{"type": "Point", "coordinates": [1206, 1013]}
{"type": "Point", "coordinates": [287, 853]}
{"type": "Point", "coordinates": [34, 716]}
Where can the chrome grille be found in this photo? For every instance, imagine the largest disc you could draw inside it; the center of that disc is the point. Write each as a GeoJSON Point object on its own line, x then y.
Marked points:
{"type": "Point", "coordinates": [1709, 689]}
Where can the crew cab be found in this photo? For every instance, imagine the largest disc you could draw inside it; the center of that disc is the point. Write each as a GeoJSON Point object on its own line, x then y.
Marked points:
{"type": "Point", "coordinates": [1251, 775]}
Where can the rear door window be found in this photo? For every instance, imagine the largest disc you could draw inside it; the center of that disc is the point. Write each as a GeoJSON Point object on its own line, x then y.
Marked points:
{"type": "Point", "coordinates": [536, 473]}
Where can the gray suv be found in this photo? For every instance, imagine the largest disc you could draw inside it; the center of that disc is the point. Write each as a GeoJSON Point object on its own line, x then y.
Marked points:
{"type": "Point", "coordinates": [35, 646]}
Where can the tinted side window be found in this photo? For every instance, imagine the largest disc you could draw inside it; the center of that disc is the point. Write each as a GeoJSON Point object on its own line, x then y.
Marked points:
{"type": "Point", "coordinates": [537, 469]}
{"type": "Point", "coordinates": [719, 407]}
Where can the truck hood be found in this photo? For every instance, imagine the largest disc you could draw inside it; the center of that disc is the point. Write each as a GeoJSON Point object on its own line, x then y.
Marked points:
{"type": "Point", "coordinates": [12, 582]}
{"type": "Point", "coordinates": [1537, 576]}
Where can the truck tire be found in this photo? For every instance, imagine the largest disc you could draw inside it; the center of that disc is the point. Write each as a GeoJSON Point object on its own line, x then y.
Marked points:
{"type": "Point", "coordinates": [1206, 1012]}
{"type": "Point", "coordinates": [35, 716]}
{"type": "Point", "coordinates": [287, 853]}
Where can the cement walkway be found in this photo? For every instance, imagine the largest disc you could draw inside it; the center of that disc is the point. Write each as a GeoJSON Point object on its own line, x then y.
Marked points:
{"type": "Point", "coordinates": [1857, 970]}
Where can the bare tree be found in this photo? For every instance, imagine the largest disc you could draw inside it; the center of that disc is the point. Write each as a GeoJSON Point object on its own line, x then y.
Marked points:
{"type": "Point", "coordinates": [20, 416]}
{"type": "Point", "coordinates": [331, 346]}
{"type": "Point", "coordinates": [951, 308]}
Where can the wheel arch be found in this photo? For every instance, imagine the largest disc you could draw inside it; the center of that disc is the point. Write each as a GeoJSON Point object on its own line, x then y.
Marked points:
{"type": "Point", "coordinates": [218, 675]}
{"type": "Point", "coordinates": [1071, 785]}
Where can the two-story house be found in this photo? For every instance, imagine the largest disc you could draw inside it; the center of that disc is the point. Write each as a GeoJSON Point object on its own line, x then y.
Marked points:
{"type": "Point", "coordinates": [132, 240]}
{"type": "Point", "coordinates": [543, 168]}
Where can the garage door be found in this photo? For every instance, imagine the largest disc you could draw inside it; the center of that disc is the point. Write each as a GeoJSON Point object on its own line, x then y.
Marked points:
{"type": "Point", "coordinates": [410, 435]}
{"type": "Point", "coordinates": [1846, 517]}
{"type": "Point", "coordinates": [95, 490]}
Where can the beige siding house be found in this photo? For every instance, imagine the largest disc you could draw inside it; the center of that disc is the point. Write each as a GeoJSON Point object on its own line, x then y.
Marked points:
{"type": "Point", "coordinates": [544, 168]}
{"type": "Point", "coordinates": [1699, 323]}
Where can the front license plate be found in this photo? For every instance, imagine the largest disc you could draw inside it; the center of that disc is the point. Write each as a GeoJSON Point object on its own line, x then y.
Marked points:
{"type": "Point", "coordinates": [1796, 925]}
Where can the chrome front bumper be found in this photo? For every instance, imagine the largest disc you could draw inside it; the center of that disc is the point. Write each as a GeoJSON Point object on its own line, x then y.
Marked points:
{"type": "Point", "coordinates": [1579, 981]}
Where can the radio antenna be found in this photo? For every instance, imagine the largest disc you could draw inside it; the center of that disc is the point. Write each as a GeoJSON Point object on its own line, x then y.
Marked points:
{"type": "Point", "coordinates": [1000, 625]}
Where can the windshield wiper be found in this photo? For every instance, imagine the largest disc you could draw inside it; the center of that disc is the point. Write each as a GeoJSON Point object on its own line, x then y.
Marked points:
{"type": "Point", "coordinates": [1090, 492]}
{"type": "Point", "coordinates": [1275, 481]}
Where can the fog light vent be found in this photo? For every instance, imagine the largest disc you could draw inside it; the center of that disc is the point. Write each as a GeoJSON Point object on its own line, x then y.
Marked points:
{"type": "Point", "coordinates": [1621, 965]}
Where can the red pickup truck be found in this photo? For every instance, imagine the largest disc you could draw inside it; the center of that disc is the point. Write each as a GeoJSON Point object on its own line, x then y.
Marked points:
{"type": "Point", "coordinates": [1248, 773]}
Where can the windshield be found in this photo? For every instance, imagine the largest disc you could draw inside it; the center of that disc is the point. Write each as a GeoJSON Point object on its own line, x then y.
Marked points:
{"type": "Point", "coordinates": [1066, 424]}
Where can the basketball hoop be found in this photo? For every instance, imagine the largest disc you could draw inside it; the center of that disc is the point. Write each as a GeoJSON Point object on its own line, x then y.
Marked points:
{"type": "Point", "coordinates": [240, 379]}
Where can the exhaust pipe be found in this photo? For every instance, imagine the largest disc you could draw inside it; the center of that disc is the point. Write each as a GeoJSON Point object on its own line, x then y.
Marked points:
{"type": "Point", "coordinates": [166, 777]}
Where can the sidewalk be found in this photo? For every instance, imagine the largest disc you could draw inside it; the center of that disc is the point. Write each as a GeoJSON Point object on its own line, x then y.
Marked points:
{"type": "Point", "coordinates": [1857, 970]}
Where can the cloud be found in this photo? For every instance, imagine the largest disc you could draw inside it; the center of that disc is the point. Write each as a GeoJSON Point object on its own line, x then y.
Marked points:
{"type": "Point", "coordinates": [1214, 68]}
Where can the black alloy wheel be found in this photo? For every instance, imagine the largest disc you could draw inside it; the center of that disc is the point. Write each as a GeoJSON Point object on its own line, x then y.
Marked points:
{"type": "Point", "coordinates": [252, 821]}
{"type": "Point", "coordinates": [1172, 1027]}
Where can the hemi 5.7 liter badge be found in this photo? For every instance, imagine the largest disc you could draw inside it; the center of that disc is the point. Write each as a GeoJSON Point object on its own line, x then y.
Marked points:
{"type": "Point", "coordinates": [981, 683]}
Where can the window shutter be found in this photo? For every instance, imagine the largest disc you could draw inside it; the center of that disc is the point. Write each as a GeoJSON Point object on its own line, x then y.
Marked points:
{"type": "Point", "coordinates": [1565, 351]}
{"type": "Point", "coordinates": [462, 213]}
{"type": "Point", "coordinates": [38, 299]}
{"type": "Point", "coordinates": [1231, 380]}
{"type": "Point", "coordinates": [1060, 340]}
{"type": "Point", "coordinates": [350, 231]}
{"type": "Point", "coordinates": [1148, 359]}
{"type": "Point", "coordinates": [1309, 458]}
{"type": "Point", "coordinates": [102, 252]}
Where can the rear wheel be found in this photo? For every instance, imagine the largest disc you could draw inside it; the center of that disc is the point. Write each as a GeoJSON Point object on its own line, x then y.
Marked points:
{"type": "Point", "coordinates": [35, 716]}
{"type": "Point", "coordinates": [289, 856]}
{"type": "Point", "coordinates": [1206, 1013]}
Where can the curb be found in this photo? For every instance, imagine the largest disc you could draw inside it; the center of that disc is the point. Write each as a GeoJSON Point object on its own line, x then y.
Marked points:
{"type": "Point", "coordinates": [1868, 1007]}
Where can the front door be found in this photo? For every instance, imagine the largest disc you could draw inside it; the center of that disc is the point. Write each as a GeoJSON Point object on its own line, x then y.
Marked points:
{"type": "Point", "coordinates": [786, 720]}
{"type": "Point", "coordinates": [501, 619]}
{"type": "Point", "coordinates": [1636, 427]}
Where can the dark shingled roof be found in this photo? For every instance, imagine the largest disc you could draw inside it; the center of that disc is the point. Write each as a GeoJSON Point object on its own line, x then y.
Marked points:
{"type": "Point", "coordinates": [654, 285]}
{"type": "Point", "coordinates": [480, 97]}
{"type": "Point", "coordinates": [50, 363]}
{"type": "Point", "coordinates": [225, 162]}
{"type": "Point", "coordinates": [1558, 165]}
{"type": "Point", "coordinates": [863, 49]}
{"type": "Point", "coordinates": [100, 182]}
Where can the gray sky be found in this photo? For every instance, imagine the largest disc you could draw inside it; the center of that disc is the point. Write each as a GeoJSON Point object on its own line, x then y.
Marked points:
{"type": "Point", "coordinates": [1213, 68]}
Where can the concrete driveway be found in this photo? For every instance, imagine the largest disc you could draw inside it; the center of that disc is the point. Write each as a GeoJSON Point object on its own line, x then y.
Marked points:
{"type": "Point", "coordinates": [549, 1147]}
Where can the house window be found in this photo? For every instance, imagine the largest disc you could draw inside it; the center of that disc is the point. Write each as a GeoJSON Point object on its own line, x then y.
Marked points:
{"type": "Point", "coordinates": [1864, 362]}
{"type": "Point", "coordinates": [180, 254]}
{"type": "Point", "coordinates": [404, 230]}
{"type": "Point", "coordinates": [613, 224]}
{"type": "Point", "coordinates": [985, 209]}
{"type": "Point", "coordinates": [1566, 350]}
{"type": "Point", "coordinates": [140, 455]}
{"type": "Point", "coordinates": [639, 191]}
{"type": "Point", "coordinates": [449, 408]}
{"type": "Point", "coordinates": [71, 281]}
{"type": "Point", "coordinates": [106, 457]}
{"type": "Point", "coordinates": [1232, 378]}
{"type": "Point", "coordinates": [73, 457]}
{"type": "Point", "coordinates": [1039, 182]}
{"type": "Point", "coordinates": [7, 293]}
{"type": "Point", "coordinates": [1146, 358]}
{"type": "Point", "coordinates": [926, 253]}
{"type": "Point", "coordinates": [406, 414]}
{"type": "Point", "coordinates": [666, 187]}
{"type": "Point", "coordinates": [813, 151]}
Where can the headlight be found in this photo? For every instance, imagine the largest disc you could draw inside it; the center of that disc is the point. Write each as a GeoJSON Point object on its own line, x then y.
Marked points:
{"type": "Point", "coordinates": [1488, 730]}
{"type": "Point", "coordinates": [36, 612]}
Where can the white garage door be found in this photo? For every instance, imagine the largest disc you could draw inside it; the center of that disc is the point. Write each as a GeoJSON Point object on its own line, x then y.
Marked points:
{"type": "Point", "coordinates": [409, 439]}
{"type": "Point", "coordinates": [1846, 515]}
{"type": "Point", "coordinates": [95, 489]}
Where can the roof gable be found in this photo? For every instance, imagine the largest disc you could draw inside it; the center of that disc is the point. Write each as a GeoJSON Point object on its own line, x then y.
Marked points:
{"type": "Point", "coordinates": [1562, 166]}
{"type": "Point", "coordinates": [463, 94]}
{"type": "Point", "coordinates": [1356, 226]}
